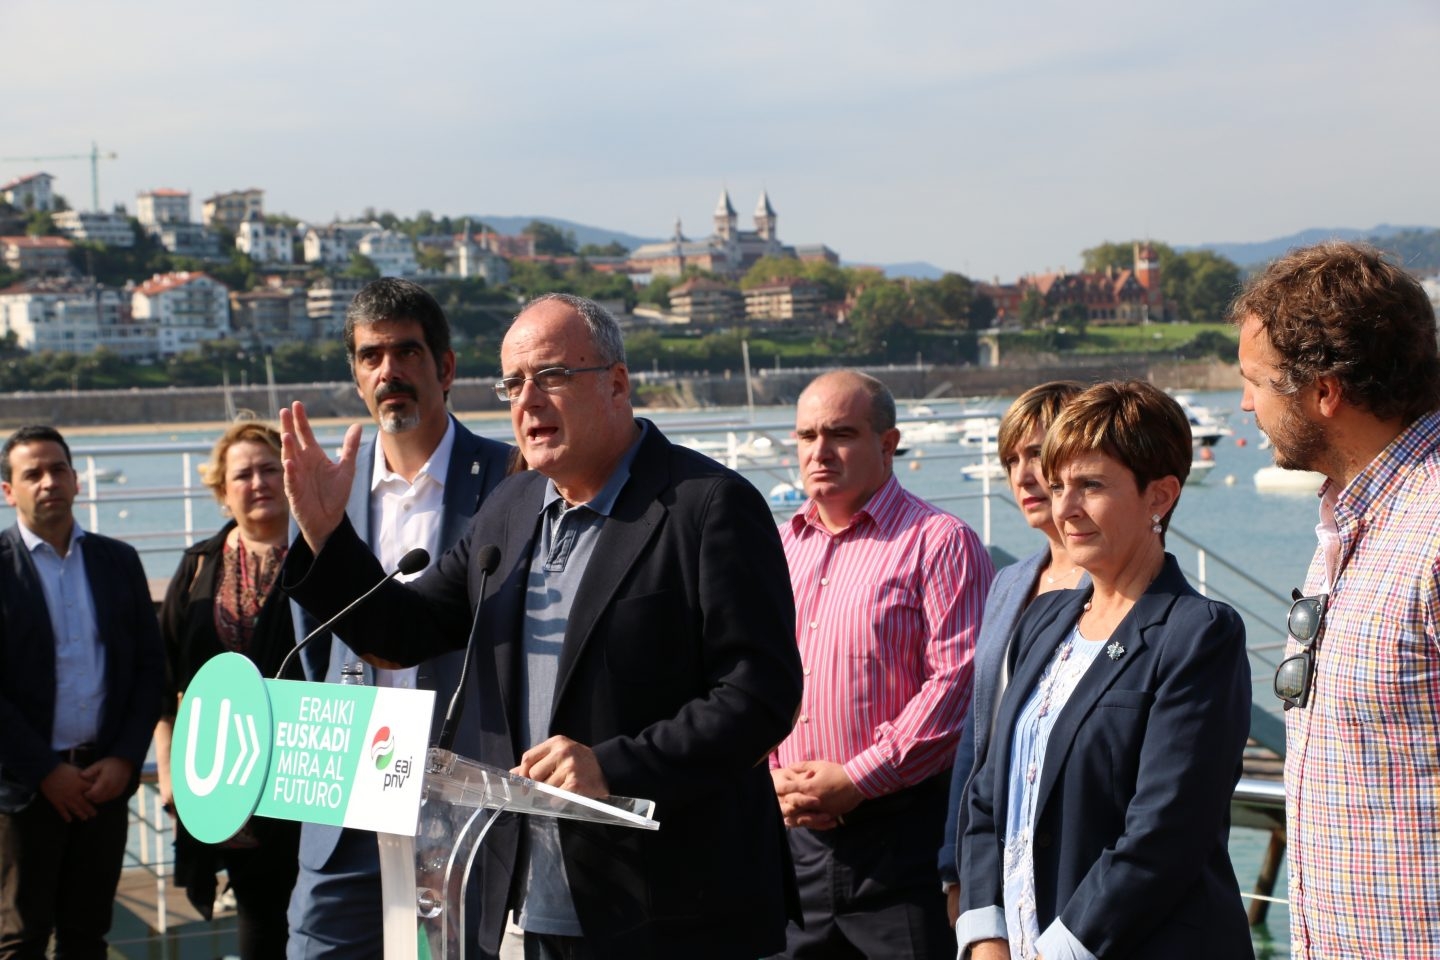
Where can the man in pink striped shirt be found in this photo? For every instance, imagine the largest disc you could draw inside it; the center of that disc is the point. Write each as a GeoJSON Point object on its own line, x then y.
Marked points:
{"type": "Point", "coordinates": [888, 595]}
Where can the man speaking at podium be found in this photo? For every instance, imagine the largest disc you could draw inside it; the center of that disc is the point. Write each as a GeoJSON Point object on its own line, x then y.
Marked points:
{"type": "Point", "coordinates": [636, 639]}
{"type": "Point", "coordinates": [417, 484]}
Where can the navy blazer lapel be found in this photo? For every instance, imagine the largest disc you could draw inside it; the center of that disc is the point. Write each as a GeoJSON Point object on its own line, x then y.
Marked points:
{"type": "Point", "coordinates": [464, 479]}
{"type": "Point", "coordinates": [1152, 607]}
{"type": "Point", "coordinates": [37, 623]}
{"type": "Point", "coordinates": [633, 521]}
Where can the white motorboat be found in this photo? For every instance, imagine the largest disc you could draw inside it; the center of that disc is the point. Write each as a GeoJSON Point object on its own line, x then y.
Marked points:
{"type": "Point", "coordinates": [1274, 479]}
{"type": "Point", "coordinates": [1206, 427]}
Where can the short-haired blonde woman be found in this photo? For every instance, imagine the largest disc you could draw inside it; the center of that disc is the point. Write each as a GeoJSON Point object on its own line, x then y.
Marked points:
{"type": "Point", "coordinates": [1099, 818]}
{"type": "Point", "coordinates": [225, 597]}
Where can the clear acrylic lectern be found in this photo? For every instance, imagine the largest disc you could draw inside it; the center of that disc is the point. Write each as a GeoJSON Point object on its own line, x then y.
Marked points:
{"type": "Point", "coordinates": [423, 877]}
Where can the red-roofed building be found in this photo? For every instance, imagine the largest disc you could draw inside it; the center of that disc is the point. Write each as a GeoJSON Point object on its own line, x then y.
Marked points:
{"type": "Point", "coordinates": [786, 301]}
{"type": "Point", "coordinates": [36, 255]}
{"type": "Point", "coordinates": [188, 309]}
{"type": "Point", "coordinates": [30, 193]}
{"type": "Point", "coordinates": [1111, 296]}
{"type": "Point", "coordinates": [707, 302]}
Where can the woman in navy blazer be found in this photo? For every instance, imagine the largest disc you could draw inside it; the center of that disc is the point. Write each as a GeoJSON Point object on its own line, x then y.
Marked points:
{"type": "Point", "coordinates": [1022, 431]}
{"type": "Point", "coordinates": [1099, 817]}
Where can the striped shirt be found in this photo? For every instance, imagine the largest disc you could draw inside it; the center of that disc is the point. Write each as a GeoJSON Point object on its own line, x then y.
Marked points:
{"type": "Point", "coordinates": [887, 611]}
{"type": "Point", "coordinates": [1363, 760]}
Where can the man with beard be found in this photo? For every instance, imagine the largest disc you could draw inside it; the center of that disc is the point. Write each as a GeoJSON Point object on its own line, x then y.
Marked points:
{"type": "Point", "coordinates": [417, 486]}
{"type": "Point", "coordinates": [1338, 354]}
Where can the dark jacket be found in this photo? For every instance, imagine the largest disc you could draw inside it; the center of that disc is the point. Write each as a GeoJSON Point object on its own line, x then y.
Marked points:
{"type": "Point", "coordinates": [134, 668]}
{"type": "Point", "coordinates": [187, 624]}
{"type": "Point", "coordinates": [1133, 813]}
{"type": "Point", "coordinates": [679, 669]}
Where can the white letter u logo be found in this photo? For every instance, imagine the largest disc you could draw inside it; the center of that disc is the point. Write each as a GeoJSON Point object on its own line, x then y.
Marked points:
{"type": "Point", "coordinates": [202, 786]}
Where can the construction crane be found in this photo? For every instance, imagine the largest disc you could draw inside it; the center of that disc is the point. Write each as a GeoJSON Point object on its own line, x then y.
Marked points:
{"type": "Point", "coordinates": [94, 156]}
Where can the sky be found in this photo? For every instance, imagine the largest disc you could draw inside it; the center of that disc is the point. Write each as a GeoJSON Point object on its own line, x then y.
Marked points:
{"type": "Point", "coordinates": [990, 138]}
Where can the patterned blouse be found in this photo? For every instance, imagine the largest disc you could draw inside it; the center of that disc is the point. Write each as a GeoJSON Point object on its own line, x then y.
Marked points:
{"type": "Point", "coordinates": [241, 590]}
{"type": "Point", "coordinates": [1027, 759]}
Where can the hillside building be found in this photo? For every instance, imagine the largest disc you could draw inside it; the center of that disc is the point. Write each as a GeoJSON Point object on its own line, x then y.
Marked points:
{"type": "Point", "coordinates": [728, 252]}
{"type": "Point", "coordinates": [73, 316]}
{"type": "Point", "coordinates": [1111, 296]}
{"type": "Point", "coordinates": [265, 242]}
{"type": "Point", "coordinates": [270, 315]}
{"type": "Point", "coordinates": [229, 210]}
{"type": "Point", "coordinates": [707, 303]}
{"type": "Point", "coordinates": [794, 301]}
{"type": "Point", "coordinates": [37, 256]}
{"type": "Point", "coordinates": [111, 229]}
{"type": "Point", "coordinates": [187, 309]}
{"type": "Point", "coordinates": [162, 206]}
{"type": "Point", "coordinates": [31, 193]}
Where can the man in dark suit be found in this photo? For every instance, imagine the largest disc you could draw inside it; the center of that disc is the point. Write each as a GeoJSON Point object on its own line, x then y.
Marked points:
{"type": "Point", "coordinates": [81, 672]}
{"type": "Point", "coordinates": [419, 483]}
{"type": "Point", "coordinates": [636, 639]}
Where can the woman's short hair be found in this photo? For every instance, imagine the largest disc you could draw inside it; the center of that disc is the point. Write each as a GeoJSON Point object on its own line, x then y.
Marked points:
{"type": "Point", "coordinates": [212, 473]}
{"type": "Point", "coordinates": [1134, 422]}
{"type": "Point", "coordinates": [1036, 407]}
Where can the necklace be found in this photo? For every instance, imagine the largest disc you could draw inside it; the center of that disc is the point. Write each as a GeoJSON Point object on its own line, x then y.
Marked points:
{"type": "Point", "coordinates": [1063, 576]}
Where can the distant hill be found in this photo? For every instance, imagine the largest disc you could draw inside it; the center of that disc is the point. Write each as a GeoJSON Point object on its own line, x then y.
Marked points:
{"type": "Point", "coordinates": [915, 269]}
{"type": "Point", "coordinates": [584, 233]}
{"type": "Point", "coordinates": [1418, 247]}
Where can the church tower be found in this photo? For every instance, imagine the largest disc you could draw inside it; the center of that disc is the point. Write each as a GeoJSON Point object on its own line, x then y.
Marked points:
{"type": "Point", "coordinates": [725, 217]}
{"type": "Point", "coordinates": [1147, 272]}
{"type": "Point", "coordinates": [765, 218]}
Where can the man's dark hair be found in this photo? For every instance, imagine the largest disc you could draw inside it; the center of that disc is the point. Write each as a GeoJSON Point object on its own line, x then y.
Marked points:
{"type": "Point", "coordinates": [31, 434]}
{"type": "Point", "coordinates": [391, 298]}
{"type": "Point", "coordinates": [1344, 310]}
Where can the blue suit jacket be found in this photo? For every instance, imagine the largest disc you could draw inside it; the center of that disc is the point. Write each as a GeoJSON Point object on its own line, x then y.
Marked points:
{"type": "Point", "coordinates": [477, 465]}
{"type": "Point", "coordinates": [1133, 810]}
{"type": "Point", "coordinates": [134, 663]}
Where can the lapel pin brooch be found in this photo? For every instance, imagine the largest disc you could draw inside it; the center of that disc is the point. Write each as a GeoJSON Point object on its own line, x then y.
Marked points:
{"type": "Point", "coordinates": [1115, 651]}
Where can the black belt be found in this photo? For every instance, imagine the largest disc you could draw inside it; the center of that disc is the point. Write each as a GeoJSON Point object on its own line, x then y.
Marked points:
{"type": "Point", "coordinates": [81, 756]}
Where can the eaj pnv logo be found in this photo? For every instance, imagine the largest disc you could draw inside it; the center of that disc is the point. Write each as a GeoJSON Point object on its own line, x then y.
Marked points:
{"type": "Point", "coordinates": [223, 735]}
{"type": "Point", "coordinates": [382, 748]}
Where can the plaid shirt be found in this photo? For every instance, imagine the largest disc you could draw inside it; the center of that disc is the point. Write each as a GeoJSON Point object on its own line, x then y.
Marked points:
{"type": "Point", "coordinates": [1363, 760]}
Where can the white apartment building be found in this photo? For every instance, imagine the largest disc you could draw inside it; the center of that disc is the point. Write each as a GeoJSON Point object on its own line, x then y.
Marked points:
{"type": "Point", "coordinates": [111, 229]}
{"type": "Point", "coordinates": [73, 316]}
{"type": "Point", "coordinates": [231, 209]}
{"type": "Point", "coordinates": [188, 309]}
{"type": "Point", "coordinates": [187, 240]}
{"type": "Point", "coordinates": [326, 302]}
{"type": "Point", "coordinates": [36, 255]}
{"type": "Point", "coordinates": [162, 206]}
{"type": "Point", "coordinates": [266, 242]}
{"type": "Point", "coordinates": [392, 253]}
{"type": "Point", "coordinates": [30, 193]}
{"type": "Point", "coordinates": [332, 245]}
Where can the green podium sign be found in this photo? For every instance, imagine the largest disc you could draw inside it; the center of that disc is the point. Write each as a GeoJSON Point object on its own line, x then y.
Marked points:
{"type": "Point", "coordinates": [314, 752]}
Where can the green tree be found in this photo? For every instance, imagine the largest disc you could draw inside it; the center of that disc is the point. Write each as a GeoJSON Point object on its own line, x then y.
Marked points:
{"type": "Point", "coordinates": [431, 259]}
{"type": "Point", "coordinates": [1074, 317]}
{"type": "Point", "coordinates": [549, 239]}
{"type": "Point", "coordinates": [361, 268]}
{"type": "Point", "coordinates": [982, 312]}
{"type": "Point", "coordinates": [1033, 310]}
{"type": "Point", "coordinates": [612, 249]}
{"type": "Point", "coordinates": [1213, 283]}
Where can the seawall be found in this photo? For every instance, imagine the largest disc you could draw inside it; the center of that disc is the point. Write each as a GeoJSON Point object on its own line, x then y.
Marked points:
{"type": "Point", "coordinates": [771, 387]}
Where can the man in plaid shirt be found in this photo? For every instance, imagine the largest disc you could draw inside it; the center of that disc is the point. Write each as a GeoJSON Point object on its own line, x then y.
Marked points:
{"type": "Point", "coordinates": [1338, 354]}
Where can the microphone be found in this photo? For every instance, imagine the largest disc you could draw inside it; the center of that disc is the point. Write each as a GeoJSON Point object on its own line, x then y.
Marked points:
{"type": "Point", "coordinates": [488, 557]}
{"type": "Point", "coordinates": [413, 562]}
